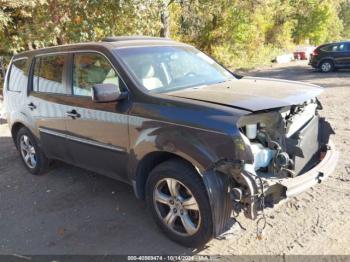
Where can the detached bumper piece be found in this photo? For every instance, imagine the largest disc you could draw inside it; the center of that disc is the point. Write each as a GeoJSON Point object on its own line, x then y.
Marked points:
{"type": "Point", "coordinates": [218, 189]}
{"type": "Point", "coordinates": [317, 174]}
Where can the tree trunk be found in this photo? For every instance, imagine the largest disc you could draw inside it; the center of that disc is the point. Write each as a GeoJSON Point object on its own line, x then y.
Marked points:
{"type": "Point", "coordinates": [165, 18]}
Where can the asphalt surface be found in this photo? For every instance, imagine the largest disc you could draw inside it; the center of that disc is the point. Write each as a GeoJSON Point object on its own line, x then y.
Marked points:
{"type": "Point", "coordinates": [73, 211]}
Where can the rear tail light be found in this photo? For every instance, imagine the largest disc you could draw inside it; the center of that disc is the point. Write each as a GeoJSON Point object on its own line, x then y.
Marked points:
{"type": "Point", "coordinates": [315, 53]}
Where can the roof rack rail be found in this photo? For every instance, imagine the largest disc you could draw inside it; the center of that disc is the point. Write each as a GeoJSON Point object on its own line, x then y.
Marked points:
{"type": "Point", "coordinates": [131, 38]}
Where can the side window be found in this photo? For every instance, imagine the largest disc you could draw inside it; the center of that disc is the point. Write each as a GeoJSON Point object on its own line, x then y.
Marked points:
{"type": "Point", "coordinates": [90, 69]}
{"type": "Point", "coordinates": [339, 48]}
{"type": "Point", "coordinates": [342, 47]}
{"type": "Point", "coordinates": [18, 75]}
{"type": "Point", "coordinates": [49, 74]}
{"type": "Point", "coordinates": [335, 48]}
{"type": "Point", "coordinates": [327, 48]}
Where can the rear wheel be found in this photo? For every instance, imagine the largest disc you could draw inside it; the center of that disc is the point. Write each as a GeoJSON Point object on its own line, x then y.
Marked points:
{"type": "Point", "coordinates": [327, 66]}
{"type": "Point", "coordinates": [33, 157]}
{"type": "Point", "coordinates": [177, 199]}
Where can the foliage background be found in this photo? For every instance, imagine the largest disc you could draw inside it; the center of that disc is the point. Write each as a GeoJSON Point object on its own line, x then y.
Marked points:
{"type": "Point", "coordinates": [239, 34]}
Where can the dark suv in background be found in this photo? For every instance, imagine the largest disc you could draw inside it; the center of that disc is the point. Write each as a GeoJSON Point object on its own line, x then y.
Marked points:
{"type": "Point", "coordinates": [192, 139]}
{"type": "Point", "coordinates": [329, 57]}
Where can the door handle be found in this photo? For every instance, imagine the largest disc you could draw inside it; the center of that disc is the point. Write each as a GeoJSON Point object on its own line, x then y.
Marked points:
{"type": "Point", "coordinates": [31, 106]}
{"type": "Point", "coordinates": [73, 114]}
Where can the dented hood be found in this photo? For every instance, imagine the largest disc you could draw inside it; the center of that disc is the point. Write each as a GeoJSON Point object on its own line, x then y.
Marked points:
{"type": "Point", "coordinates": [251, 93]}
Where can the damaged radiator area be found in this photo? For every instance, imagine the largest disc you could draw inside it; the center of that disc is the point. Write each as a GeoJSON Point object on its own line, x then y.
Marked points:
{"type": "Point", "coordinates": [285, 144]}
{"type": "Point", "coordinates": [282, 142]}
{"type": "Point", "coordinates": [287, 151]}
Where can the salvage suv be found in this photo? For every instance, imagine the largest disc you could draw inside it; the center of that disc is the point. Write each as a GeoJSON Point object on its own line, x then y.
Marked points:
{"type": "Point", "coordinates": [194, 140]}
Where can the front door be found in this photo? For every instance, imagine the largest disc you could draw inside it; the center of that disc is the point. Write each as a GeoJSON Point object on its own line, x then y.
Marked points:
{"type": "Point", "coordinates": [97, 133]}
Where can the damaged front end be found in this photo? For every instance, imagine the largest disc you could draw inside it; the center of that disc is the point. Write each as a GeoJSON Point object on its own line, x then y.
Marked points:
{"type": "Point", "coordinates": [291, 152]}
{"type": "Point", "coordinates": [291, 148]}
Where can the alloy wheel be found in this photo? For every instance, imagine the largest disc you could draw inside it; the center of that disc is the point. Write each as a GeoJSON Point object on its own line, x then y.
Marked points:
{"type": "Point", "coordinates": [326, 67]}
{"type": "Point", "coordinates": [28, 151]}
{"type": "Point", "coordinates": [177, 207]}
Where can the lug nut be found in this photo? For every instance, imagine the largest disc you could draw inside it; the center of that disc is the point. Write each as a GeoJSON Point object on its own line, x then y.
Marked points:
{"type": "Point", "coordinates": [175, 210]}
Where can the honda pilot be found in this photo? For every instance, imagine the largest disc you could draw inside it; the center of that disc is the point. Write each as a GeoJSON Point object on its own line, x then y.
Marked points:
{"type": "Point", "coordinates": [194, 140]}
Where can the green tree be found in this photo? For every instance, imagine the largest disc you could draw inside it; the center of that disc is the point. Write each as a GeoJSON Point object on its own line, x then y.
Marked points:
{"type": "Point", "coordinates": [317, 21]}
{"type": "Point", "coordinates": [15, 16]}
{"type": "Point", "coordinates": [344, 15]}
{"type": "Point", "coordinates": [237, 33]}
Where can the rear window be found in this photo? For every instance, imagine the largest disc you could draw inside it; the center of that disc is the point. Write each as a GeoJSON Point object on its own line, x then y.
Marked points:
{"type": "Point", "coordinates": [18, 75]}
{"type": "Point", "coordinates": [49, 74]}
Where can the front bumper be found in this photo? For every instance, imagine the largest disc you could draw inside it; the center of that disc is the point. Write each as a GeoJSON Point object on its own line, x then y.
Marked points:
{"type": "Point", "coordinates": [316, 175]}
{"type": "Point", "coordinates": [276, 189]}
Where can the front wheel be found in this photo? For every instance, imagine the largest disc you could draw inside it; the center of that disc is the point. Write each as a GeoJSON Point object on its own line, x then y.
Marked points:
{"type": "Point", "coordinates": [177, 199]}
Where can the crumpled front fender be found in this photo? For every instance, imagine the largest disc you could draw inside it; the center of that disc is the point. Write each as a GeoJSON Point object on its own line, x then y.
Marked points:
{"type": "Point", "coordinates": [219, 182]}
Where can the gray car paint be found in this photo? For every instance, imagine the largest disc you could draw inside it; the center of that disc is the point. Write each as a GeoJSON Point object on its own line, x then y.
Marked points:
{"type": "Point", "coordinates": [253, 94]}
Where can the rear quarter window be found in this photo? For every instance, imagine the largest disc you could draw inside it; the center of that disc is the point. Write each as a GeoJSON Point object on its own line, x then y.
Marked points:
{"type": "Point", "coordinates": [18, 75]}
{"type": "Point", "coordinates": [327, 48]}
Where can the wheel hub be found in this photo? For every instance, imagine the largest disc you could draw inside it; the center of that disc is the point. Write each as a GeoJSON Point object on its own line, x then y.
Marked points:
{"type": "Point", "coordinates": [326, 67]}
{"type": "Point", "coordinates": [177, 207]}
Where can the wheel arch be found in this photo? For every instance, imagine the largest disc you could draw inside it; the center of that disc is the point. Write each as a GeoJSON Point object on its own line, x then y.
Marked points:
{"type": "Point", "coordinates": [148, 163]}
{"type": "Point", "coordinates": [326, 59]}
{"type": "Point", "coordinates": [217, 186]}
{"type": "Point", "coordinates": [14, 130]}
{"type": "Point", "coordinates": [17, 125]}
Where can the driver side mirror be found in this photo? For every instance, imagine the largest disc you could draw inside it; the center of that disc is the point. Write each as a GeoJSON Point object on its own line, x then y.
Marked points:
{"type": "Point", "coordinates": [102, 93]}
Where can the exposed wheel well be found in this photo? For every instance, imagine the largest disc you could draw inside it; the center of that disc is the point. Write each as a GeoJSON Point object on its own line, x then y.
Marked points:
{"type": "Point", "coordinates": [14, 130]}
{"type": "Point", "coordinates": [326, 60]}
{"type": "Point", "coordinates": [147, 164]}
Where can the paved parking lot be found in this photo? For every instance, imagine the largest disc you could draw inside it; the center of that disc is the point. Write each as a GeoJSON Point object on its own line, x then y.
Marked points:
{"type": "Point", "coordinates": [73, 211]}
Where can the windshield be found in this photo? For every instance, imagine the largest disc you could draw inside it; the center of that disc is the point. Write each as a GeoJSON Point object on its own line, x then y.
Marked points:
{"type": "Point", "coordinates": [165, 68]}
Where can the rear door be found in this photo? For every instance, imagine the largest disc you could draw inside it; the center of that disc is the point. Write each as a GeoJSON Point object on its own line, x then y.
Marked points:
{"type": "Point", "coordinates": [97, 133]}
{"type": "Point", "coordinates": [46, 101]}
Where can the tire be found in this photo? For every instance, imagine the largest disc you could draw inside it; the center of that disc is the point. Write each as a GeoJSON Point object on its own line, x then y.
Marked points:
{"type": "Point", "coordinates": [36, 162]}
{"type": "Point", "coordinates": [326, 66]}
{"type": "Point", "coordinates": [197, 216]}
